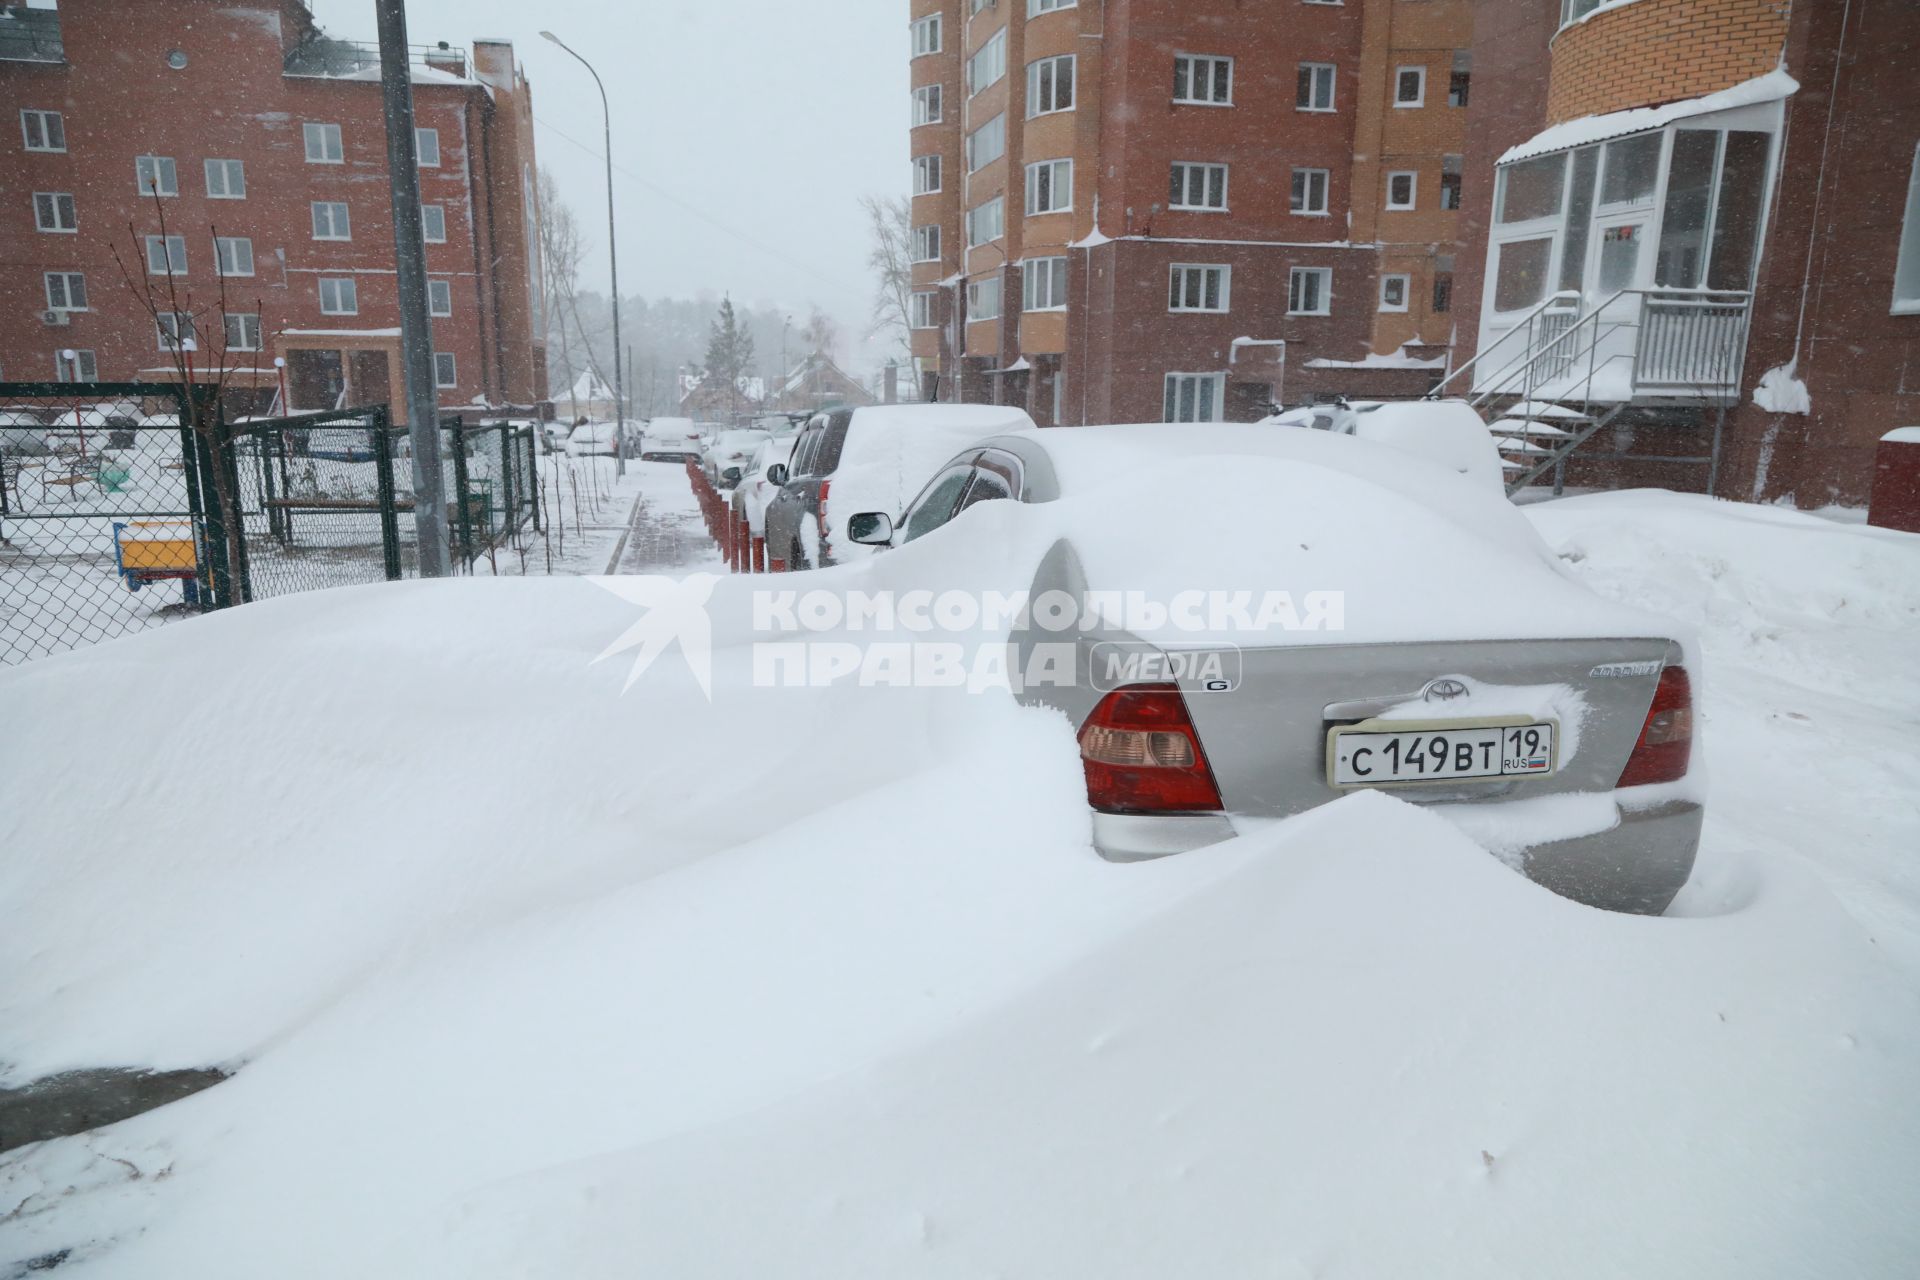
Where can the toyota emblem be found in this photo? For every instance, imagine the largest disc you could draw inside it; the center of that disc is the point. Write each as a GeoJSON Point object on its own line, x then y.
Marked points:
{"type": "Point", "coordinates": [1445, 690]}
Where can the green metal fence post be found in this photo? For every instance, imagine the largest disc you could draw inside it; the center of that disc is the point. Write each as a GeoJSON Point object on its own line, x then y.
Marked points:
{"type": "Point", "coordinates": [460, 490]}
{"type": "Point", "coordinates": [389, 503]}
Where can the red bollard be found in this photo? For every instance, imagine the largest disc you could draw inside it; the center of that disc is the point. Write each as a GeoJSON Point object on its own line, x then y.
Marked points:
{"type": "Point", "coordinates": [759, 553]}
{"type": "Point", "coordinates": [743, 547]}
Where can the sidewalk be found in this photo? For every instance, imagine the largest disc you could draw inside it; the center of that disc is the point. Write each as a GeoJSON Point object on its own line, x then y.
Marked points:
{"type": "Point", "coordinates": [666, 534]}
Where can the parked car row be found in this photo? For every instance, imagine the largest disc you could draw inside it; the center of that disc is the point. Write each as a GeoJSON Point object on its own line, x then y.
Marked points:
{"type": "Point", "coordinates": [1471, 674]}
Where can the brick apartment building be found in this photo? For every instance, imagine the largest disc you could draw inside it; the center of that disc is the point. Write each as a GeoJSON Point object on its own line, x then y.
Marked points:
{"type": "Point", "coordinates": [259, 130]}
{"type": "Point", "coordinates": [1183, 209]}
{"type": "Point", "coordinates": [1720, 201]}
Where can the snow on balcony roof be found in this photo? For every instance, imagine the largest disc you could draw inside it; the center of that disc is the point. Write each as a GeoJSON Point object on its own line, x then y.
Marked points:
{"type": "Point", "coordinates": [1771, 87]}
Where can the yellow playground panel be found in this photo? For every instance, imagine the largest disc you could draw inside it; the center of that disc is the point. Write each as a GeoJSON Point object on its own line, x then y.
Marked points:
{"type": "Point", "coordinates": [150, 545]}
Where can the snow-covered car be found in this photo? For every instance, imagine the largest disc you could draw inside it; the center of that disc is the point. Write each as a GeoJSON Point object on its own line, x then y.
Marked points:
{"type": "Point", "coordinates": [726, 456]}
{"type": "Point", "coordinates": [1466, 671]}
{"type": "Point", "coordinates": [1447, 431]}
{"type": "Point", "coordinates": [594, 438]}
{"type": "Point", "coordinates": [865, 459]}
{"type": "Point", "coordinates": [755, 489]}
{"type": "Point", "coordinates": [670, 440]}
{"type": "Point", "coordinates": [553, 436]}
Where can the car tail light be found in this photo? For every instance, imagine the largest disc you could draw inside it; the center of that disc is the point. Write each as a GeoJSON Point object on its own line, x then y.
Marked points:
{"type": "Point", "coordinates": [1141, 754]}
{"type": "Point", "coordinates": [820, 511]}
{"type": "Point", "coordinates": [1666, 739]}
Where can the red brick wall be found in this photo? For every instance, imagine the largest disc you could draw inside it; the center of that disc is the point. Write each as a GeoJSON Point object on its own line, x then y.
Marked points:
{"type": "Point", "coordinates": [1655, 51]}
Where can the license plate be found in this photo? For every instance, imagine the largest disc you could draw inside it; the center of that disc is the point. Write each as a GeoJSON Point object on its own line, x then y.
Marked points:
{"type": "Point", "coordinates": [1378, 753]}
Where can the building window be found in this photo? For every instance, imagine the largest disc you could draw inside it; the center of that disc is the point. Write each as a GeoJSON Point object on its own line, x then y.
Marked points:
{"type": "Point", "coordinates": [43, 130]}
{"type": "Point", "coordinates": [926, 175]}
{"type": "Point", "coordinates": [1394, 292]}
{"type": "Point", "coordinates": [986, 222]}
{"type": "Point", "coordinates": [1443, 284]}
{"type": "Point", "coordinates": [174, 330]}
{"type": "Point", "coordinates": [1044, 284]}
{"type": "Point", "coordinates": [1410, 87]}
{"type": "Point", "coordinates": [1310, 291]}
{"type": "Point", "coordinates": [1050, 186]}
{"type": "Point", "coordinates": [1207, 81]}
{"type": "Point", "coordinates": [1309, 191]}
{"type": "Point", "coordinates": [54, 211]}
{"type": "Point", "coordinates": [926, 35]}
{"type": "Point", "coordinates": [1049, 86]}
{"type": "Point", "coordinates": [166, 254]}
{"type": "Point", "coordinates": [1450, 182]}
{"type": "Point", "coordinates": [339, 296]}
{"type": "Point", "coordinates": [1198, 186]}
{"type": "Point", "coordinates": [926, 105]}
{"type": "Point", "coordinates": [983, 299]}
{"type": "Point", "coordinates": [1460, 82]}
{"type": "Point", "coordinates": [433, 223]}
{"type": "Point", "coordinates": [1574, 10]}
{"type": "Point", "coordinates": [426, 148]}
{"type": "Point", "coordinates": [1906, 271]}
{"type": "Point", "coordinates": [82, 368]}
{"type": "Point", "coordinates": [1037, 7]}
{"type": "Point", "coordinates": [1315, 91]}
{"type": "Point", "coordinates": [1198, 288]}
{"type": "Point", "coordinates": [323, 143]}
{"type": "Point", "coordinates": [989, 63]}
{"type": "Point", "coordinates": [243, 332]}
{"type": "Point", "coordinates": [1520, 273]}
{"type": "Point", "coordinates": [920, 310]}
{"type": "Point", "coordinates": [1195, 397]}
{"type": "Point", "coordinates": [66, 291]}
{"type": "Point", "coordinates": [233, 255]}
{"type": "Point", "coordinates": [226, 180]}
{"type": "Point", "coordinates": [926, 243]}
{"type": "Point", "coordinates": [156, 175]}
{"type": "Point", "coordinates": [1402, 187]}
{"type": "Point", "coordinates": [440, 297]}
{"type": "Point", "coordinates": [445, 373]}
{"type": "Point", "coordinates": [330, 221]}
{"type": "Point", "coordinates": [987, 143]}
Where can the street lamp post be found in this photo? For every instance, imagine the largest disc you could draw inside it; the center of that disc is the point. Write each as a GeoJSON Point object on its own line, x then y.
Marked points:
{"type": "Point", "coordinates": [613, 263]}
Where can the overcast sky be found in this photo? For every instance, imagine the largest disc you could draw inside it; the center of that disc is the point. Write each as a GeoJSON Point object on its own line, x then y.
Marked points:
{"type": "Point", "coordinates": [747, 133]}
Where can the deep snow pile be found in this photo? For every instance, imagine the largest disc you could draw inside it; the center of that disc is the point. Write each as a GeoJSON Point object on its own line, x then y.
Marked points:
{"type": "Point", "coordinates": [603, 986]}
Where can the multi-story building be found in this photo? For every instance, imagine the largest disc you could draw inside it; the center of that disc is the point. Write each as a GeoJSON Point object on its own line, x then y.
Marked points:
{"type": "Point", "coordinates": [1697, 223]}
{"type": "Point", "coordinates": [1183, 209]}
{"type": "Point", "coordinates": [263, 144]}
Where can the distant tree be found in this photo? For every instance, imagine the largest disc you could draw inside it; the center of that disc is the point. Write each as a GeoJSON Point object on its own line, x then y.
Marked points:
{"type": "Point", "coordinates": [820, 333]}
{"type": "Point", "coordinates": [562, 249]}
{"type": "Point", "coordinates": [889, 254]}
{"type": "Point", "coordinates": [729, 347]}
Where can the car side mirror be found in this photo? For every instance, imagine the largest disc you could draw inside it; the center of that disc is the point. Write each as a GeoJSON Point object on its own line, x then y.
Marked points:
{"type": "Point", "coordinates": [731, 475]}
{"type": "Point", "coordinates": [870, 528]}
{"type": "Point", "coordinates": [777, 474]}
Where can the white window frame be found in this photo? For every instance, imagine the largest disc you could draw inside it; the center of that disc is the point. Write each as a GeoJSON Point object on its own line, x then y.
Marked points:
{"type": "Point", "coordinates": [920, 309]}
{"type": "Point", "coordinates": [1188, 64]}
{"type": "Point", "coordinates": [446, 371]}
{"type": "Point", "coordinates": [54, 207]}
{"type": "Point", "coordinates": [168, 327]}
{"type": "Point", "coordinates": [64, 302]}
{"type": "Point", "coordinates": [433, 217]}
{"type": "Point", "coordinates": [1571, 11]}
{"type": "Point", "coordinates": [1037, 7]}
{"type": "Point", "coordinates": [988, 65]}
{"type": "Point", "coordinates": [1413, 190]}
{"type": "Point", "coordinates": [224, 188]}
{"type": "Point", "coordinates": [1043, 85]}
{"type": "Point", "coordinates": [925, 246]}
{"type": "Point", "coordinates": [1906, 263]}
{"type": "Point", "coordinates": [172, 254]}
{"type": "Point", "coordinates": [1185, 169]}
{"type": "Point", "coordinates": [928, 105]}
{"type": "Point", "coordinates": [249, 333]}
{"type": "Point", "coordinates": [345, 290]}
{"type": "Point", "coordinates": [1043, 284]}
{"type": "Point", "coordinates": [333, 225]}
{"type": "Point", "coordinates": [64, 371]}
{"type": "Point", "coordinates": [1172, 393]}
{"type": "Point", "coordinates": [1059, 186]}
{"type": "Point", "coordinates": [1295, 276]}
{"type": "Point", "coordinates": [977, 214]}
{"type": "Point", "coordinates": [228, 249]}
{"type": "Point", "coordinates": [421, 136]}
{"type": "Point", "coordinates": [926, 34]}
{"type": "Point", "coordinates": [924, 167]}
{"type": "Point", "coordinates": [977, 289]}
{"type": "Point", "coordinates": [1183, 276]}
{"type": "Point", "coordinates": [30, 116]}
{"type": "Point", "coordinates": [1313, 94]}
{"type": "Point", "coordinates": [1420, 98]}
{"type": "Point", "coordinates": [1325, 209]}
{"type": "Point", "coordinates": [1406, 291]}
{"type": "Point", "coordinates": [439, 297]}
{"type": "Point", "coordinates": [330, 141]}
{"type": "Point", "coordinates": [998, 126]}
{"type": "Point", "coordinates": [148, 172]}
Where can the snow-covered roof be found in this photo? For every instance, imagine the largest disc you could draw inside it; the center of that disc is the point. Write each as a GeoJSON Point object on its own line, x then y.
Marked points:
{"type": "Point", "coordinates": [1772, 87]}
{"type": "Point", "coordinates": [589, 387]}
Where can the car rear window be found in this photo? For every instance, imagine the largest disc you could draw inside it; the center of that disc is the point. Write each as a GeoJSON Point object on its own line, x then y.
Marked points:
{"type": "Point", "coordinates": [826, 457]}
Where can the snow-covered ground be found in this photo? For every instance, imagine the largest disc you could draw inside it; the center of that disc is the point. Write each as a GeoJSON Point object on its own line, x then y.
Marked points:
{"type": "Point", "coordinates": [545, 981]}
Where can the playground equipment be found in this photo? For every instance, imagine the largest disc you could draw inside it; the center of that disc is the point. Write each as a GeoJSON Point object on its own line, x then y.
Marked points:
{"type": "Point", "coordinates": [150, 551]}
